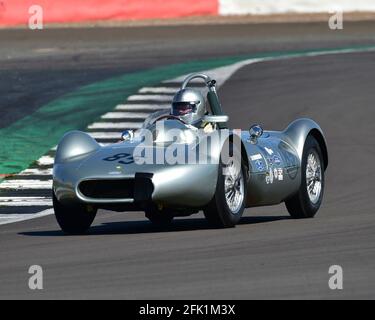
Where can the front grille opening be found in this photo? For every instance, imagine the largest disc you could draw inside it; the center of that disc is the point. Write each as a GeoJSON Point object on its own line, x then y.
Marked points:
{"type": "Point", "coordinates": [108, 189]}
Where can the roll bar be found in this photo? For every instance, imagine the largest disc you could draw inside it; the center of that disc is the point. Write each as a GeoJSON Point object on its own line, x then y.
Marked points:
{"type": "Point", "coordinates": [212, 96]}
{"type": "Point", "coordinates": [192, 76]}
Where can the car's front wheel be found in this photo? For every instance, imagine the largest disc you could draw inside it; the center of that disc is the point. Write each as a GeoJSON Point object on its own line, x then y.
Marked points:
{"type": "Point", "coordinates": [227, 206]}
{"type": "Point", "coordinates": [75, 219]}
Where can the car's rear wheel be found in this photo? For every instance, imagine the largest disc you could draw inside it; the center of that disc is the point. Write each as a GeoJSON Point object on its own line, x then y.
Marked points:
{"type": "Point", "coordinates": [307, 201]}
{"type": "Point", "coordinates": [75, 219]}
{"type": "Point", "coordinates": [227, 206]}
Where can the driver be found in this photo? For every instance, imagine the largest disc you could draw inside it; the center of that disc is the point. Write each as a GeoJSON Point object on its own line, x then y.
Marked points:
{"type": "Point", "coordinates": [189, 106]}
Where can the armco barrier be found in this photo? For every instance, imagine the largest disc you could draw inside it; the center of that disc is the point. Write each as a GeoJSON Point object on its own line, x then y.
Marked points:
{"type": "Point", "coordinates": [16, 12]}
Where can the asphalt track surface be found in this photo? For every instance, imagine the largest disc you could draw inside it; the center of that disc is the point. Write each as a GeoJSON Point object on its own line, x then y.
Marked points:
{"type": "Point", "coordinates": [268, 255]}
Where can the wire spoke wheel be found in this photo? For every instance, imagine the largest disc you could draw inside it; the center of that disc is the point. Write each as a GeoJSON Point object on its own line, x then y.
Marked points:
{"type": "Point", "coordinates": [313, 177]}
{"type": "Point", "coordinates": [234, 187]}
{"type": "Point", "coordinates": [228, 204]}
{"type": "Point", "coordinates": [307, 201]}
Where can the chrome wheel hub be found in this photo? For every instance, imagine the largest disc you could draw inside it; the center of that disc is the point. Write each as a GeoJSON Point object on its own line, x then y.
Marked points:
{"type": "Point", "coordinates": [234, 187]}
{"type": "Point", "coordinates": [313, 177]}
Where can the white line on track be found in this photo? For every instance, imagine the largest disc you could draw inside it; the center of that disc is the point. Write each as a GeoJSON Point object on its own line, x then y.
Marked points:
{"type": "Point", "coordinates": [152, 97]}
{"type": "Point", "coordinates": [106, 135]}
{"type": "Point", "coordinates": [167, 90]}
{"type": "Point", "coordinates": [46, 161]}
{"type": "Point", "coordinates": [125, 115]}
{"type": "Point", "coordinates": [26, 184]}
{"type": "Point", "coordinates": [115, 125]}
{"type": "Point", "coordinates": [11, 218]}
{"type": "Point", "coordinates": [25, 201]}
{"type": "Point", "coordinates": [38, 172]}
{"type": "Point", "coordinates": [135, 107]}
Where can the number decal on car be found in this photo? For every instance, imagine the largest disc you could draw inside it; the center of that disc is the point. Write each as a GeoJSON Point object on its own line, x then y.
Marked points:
{"type": "Point", "coordinates": [123, 158]}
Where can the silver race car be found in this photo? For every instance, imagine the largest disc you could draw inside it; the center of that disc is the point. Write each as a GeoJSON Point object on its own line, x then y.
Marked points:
{"type": "Point", "coordinates": [184, 160]}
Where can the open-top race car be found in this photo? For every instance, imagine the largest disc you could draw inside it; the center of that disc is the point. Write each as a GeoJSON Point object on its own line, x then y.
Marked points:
{"type": "Point", "coordinates": [184, 160]}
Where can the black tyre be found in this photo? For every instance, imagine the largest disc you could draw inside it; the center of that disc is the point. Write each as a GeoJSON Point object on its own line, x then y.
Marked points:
{"type": "Point", "coordinates": [226, 208]}
{"type": "Point", "coordinates": [306, 202]}
{"type": "Point", "coordinates": [73, 219]}
{"type": "Point", "coordinates": [159, 218]}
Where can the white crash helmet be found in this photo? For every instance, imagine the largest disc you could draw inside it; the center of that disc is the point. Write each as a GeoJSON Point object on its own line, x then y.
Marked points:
{"type": "Point", "coordinates": [188, 105]}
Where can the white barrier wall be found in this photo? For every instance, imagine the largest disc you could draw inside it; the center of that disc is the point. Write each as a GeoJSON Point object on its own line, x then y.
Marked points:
{"type": "Point", "coordinates": [233, 7]}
